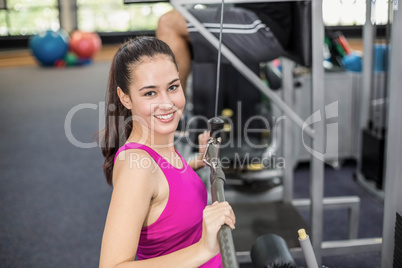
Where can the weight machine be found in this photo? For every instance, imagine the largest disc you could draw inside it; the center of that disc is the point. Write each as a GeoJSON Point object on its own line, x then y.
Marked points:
{"type": "Point", "coordinates": [317, 203]}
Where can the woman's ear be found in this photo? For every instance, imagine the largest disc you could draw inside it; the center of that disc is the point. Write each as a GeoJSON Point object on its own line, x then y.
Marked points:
{"type": "Point", "coordinates": [124, 98]}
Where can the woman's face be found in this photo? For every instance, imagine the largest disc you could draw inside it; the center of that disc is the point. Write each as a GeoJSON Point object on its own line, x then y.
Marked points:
{"type": "Point", "coordinates": [156, 95]}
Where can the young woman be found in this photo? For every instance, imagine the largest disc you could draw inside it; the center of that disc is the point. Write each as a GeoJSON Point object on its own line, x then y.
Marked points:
{"type": "Point", "coordinates": [158, 214]}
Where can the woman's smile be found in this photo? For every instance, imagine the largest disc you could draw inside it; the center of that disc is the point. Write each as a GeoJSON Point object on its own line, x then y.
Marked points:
{"type": "Point", "coordinates": [165, 117]}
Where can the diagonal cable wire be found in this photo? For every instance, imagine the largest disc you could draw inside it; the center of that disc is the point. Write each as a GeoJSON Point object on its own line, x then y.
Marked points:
{"type": "Point", "coordinates": [218, 67]}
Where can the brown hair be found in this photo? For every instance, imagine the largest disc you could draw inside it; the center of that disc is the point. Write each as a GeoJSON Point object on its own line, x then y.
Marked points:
{"type": "Point", "coordinates": [117, 130]}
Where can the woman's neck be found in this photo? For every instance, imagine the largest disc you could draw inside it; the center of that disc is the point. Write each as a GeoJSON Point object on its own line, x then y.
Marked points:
{"type": "Point", "coordinates": [163, 143]}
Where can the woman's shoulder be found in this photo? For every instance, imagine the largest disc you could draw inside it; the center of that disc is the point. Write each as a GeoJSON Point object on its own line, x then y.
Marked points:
{"type": "Point", "coordinates": [134, 165]}
{"type": "Point", "coordinates": [131, 154]}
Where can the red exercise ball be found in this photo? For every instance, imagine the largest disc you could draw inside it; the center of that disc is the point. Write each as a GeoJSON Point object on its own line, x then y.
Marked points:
{"type": "Point", "coordinates": [85, 44]}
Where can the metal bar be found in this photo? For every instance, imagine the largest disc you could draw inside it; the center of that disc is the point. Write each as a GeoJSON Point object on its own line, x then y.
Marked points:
{"type": "Point", "coordinates": [367, 71]}
{"type": "Point", "coordinates": [354, 212]}
{"type": "Point", "coordinates": [235, 197]}
{"type": "Point", "coordinates": [262, 175]}
{"type": "Point", "coordinates": [329, 202]}
{"type": "Point", "coordinates": [244, 70]}
{"type": "Point", "coordinates": [345, 247]}
{"type": "Point", "coordinates": [287, 143]}
{"type": "Point", "coordinates": [317, 165]}
{"type": "Point", "coordinates": [386, 63]}
{"type": "Point", "coordinates": [352, 203]}
{"type": "Point", "coordinates": [217, 178]}
{"type": "Point", "coordinates": [243, 256]}
{"type": "Point", "coordinates": [308, 252]}
{"type": "Point", "coordinates": [330, 248]}
{"type": "Point", "coordinates": [393, 170]}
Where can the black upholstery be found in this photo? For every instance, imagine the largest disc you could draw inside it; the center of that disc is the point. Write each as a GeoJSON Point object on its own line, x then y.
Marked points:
{"type": "Point", "coordinates": [270, 251]}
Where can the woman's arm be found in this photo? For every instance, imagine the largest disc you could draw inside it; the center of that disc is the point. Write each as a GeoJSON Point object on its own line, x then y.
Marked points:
{"type": "Point", "coordinates": [134, 187]}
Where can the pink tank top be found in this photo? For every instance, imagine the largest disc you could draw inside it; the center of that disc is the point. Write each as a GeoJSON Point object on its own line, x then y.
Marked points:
{"type": "Point", "coordinates": [180, 224]}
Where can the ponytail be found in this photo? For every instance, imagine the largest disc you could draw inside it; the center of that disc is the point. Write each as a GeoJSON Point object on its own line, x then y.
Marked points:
{"type": "Point", "coordinates": [115, 132]}
{"type": "Point", "coordinates": [118, 124]}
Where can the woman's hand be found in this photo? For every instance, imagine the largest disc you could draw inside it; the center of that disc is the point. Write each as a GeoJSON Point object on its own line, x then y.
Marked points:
{"type": "Point", "coordinates": [202, 142]}
{"type": "Point", "coordinates": [214, 216]}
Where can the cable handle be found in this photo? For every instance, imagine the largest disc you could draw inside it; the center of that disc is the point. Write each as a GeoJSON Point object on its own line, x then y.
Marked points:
{"type": "Point", "coordinates": [217, 179]}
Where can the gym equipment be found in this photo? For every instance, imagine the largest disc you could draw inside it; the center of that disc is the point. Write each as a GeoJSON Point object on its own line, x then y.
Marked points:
{"type": "Point", "coordinates": [85, 44]}
{"type": "Point", "coordinates": [271, 250]}
{"type": "Point", "coordinates": [398, 241]}
{"type": "Point", "coordinates": [307, 249]}
{"type": "Point", "coordinates": [344, 43]}
{"type": "Point", "coordinates": [217, 180]}
{"type": "Point", "coordinates": [302, 10]}
{"type": "Point", "coordinates": [352, 62]}
{"type": "Point", "coordinates": [218, 126]}
{"type": "Point", "coordinates": [217, 177]}
{"type": "Point", "coordinates": [49, 46]}
{"type": "Point", "coordinates": [373, 134]}
{"type": "Point", "coordinates": [317, 202]}
{"type": "Point", "coordinates": [392, 183]}
{"type": "Point", "coordinates": [71, 59]}
{"type": "Point", "coordinates": [60, 63]}
{"type": "Point", "coordinates": [336, 48]}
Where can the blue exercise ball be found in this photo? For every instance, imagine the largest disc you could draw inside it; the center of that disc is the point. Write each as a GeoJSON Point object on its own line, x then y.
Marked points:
{"type": "Point", "coordinates": [49, 46]}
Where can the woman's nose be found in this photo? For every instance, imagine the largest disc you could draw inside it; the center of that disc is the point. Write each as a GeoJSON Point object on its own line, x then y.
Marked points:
{"type": "Point", "coordinates": [166, 105]}
{"type": "Point", "coordinates": [165, 102]}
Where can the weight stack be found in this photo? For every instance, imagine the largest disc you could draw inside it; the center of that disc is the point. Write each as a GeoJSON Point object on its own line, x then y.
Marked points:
{"type": "Point", "coordinates": [398, 242]}
{"type": "Point", "coordinates": [373, 150]}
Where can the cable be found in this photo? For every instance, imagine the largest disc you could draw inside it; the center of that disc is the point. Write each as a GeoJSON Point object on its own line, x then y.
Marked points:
{"type": "Point", "coordinates": [218, 67]}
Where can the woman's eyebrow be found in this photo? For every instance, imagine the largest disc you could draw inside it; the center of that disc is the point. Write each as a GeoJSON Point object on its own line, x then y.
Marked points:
{"type": "Point", "coordinates": [153, 87]}
{"type": "Point", "coordinates": [148, 87]}
{"type": "Point", "coordinates": [173, 81]}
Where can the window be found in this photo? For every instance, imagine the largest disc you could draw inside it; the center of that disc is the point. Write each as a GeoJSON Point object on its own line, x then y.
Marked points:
{"type": "Point", "coordinates": [26, 17]}
{"type": "Point", "coordinates": [353, 12]}
{"type": "Point", "coordinates": [115, 16]}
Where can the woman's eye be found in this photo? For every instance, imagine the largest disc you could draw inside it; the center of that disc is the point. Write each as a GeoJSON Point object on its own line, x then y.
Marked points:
{"type": "Point", "coordinates": [150, 93]}
{"type": "Point", "coordinates": [174, 87]}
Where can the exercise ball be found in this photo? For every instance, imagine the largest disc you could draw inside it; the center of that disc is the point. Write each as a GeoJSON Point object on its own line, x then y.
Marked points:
{"type": "Point", "coordinates": [49, 46]}
{"type": "Point", "coordinates": [85, 44]}
{"type": "Point", "coordinates": [71, 59]}
{"type": "Point", "coordinates": [60, 64]}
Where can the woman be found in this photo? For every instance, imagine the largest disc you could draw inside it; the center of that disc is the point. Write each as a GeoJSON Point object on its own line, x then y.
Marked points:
{"type": "Point", "coordinates": [158, 210]}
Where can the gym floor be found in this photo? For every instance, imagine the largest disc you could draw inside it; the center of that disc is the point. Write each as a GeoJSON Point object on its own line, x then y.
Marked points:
{"type": "Point", "coordinates": [53, 195]}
